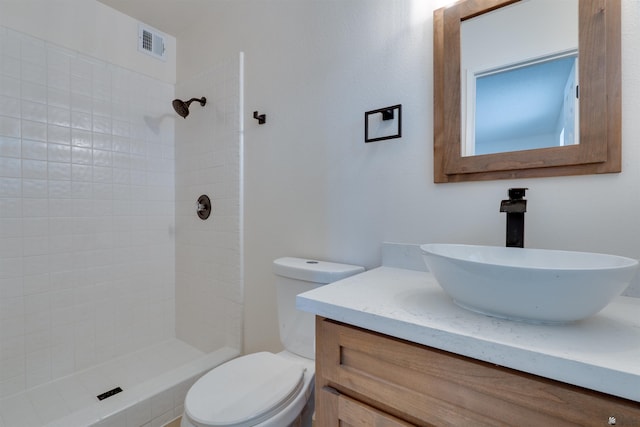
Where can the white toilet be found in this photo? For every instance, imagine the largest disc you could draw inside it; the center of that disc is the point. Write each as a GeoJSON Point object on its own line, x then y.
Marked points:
{"type": "Point", "coordinates": [267, 389]}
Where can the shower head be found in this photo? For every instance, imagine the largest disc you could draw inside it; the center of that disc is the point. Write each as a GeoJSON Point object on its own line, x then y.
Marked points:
{"type": "Point", "coordinates": [182, 107]}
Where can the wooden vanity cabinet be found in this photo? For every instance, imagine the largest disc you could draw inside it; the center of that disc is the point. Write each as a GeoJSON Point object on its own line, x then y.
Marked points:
{"type": "Point", "coordinates": [368, 379]}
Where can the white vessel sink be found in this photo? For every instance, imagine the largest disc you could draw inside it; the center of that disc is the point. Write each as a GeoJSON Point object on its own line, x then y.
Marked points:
{"type": "Point", "coordinates": [532, 285]}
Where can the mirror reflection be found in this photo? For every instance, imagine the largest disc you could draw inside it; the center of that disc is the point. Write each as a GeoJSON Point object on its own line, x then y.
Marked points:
{"type": "Point", "coordinates": [525, 107]}
{"type": "Point", "coordinates": [520, 94]}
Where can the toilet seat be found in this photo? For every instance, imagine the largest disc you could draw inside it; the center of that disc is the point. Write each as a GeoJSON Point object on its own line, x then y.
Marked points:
{"type": "Point", "coordinates": [244, 391]}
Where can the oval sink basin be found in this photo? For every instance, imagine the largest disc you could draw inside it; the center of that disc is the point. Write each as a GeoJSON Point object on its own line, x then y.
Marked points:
{"type": "Point", "coordinates": [532, 285]}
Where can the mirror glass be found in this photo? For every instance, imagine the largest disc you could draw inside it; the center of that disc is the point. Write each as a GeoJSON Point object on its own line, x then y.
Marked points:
{"type": "Point", "coordinates": [520, 94]}
{"type": "Point", "coordinates": [529, 106]}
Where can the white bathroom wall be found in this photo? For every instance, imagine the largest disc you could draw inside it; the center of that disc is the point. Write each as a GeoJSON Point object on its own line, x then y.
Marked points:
{"type": "Point", "coordinates": [313, 188]}
{"type": "Point", "coordinates": [86, 206]}
{"type": "Point", "coordinates": [91, 28]}
{"type": "Point", "coordinates": [209, 293]}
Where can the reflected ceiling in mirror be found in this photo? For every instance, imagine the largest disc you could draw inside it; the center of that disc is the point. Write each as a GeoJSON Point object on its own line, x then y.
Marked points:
{"type": "Point", "coordinates": [513, 95]}
{"type": "Point", "coordinates": [524, 107]}
{"type": "Point", "coordinates": [599, 107]}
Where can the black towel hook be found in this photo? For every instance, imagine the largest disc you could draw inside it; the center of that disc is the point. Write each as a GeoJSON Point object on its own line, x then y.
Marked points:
{"type": "Point", "coordinates": [261, 118]}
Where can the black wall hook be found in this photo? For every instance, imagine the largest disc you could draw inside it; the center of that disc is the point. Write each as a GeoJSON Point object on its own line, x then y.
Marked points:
{"type": "Point", "coordinates": [261, 118]}
{"type": "Point", "coordinates": [387, 114]}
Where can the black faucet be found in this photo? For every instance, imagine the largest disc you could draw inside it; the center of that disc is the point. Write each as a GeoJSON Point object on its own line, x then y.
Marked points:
{"type": "Point", "coordinates": [515, 207]}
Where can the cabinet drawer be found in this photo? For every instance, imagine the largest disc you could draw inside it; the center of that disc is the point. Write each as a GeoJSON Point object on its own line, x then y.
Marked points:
{"type": "Point", "coordinates": [426, 386]}
{"type": "Point", "coordinates": [352, 413]}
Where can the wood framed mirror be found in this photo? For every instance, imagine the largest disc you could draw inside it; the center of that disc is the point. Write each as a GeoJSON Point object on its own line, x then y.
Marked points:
{"type": "Point", "coordinates": [599, 146]}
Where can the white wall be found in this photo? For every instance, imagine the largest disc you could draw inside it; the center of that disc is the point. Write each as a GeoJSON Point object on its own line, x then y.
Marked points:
{"type": "Point", "coordinates": [86, 200]}
{"type": "Point", "coordinates": [315, 189]}
{"type": "Point", "coordinates": [91, 28]}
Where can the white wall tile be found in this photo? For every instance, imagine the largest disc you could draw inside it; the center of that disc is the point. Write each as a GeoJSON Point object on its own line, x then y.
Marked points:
{"type": "Point", "coordinates": [33, 51]}
{"type": "Point", "coordinates": [10, 187]}
{"type": "Point", "coordinates": [58, 135]}
{"type": "Point", "coordinates": [11, 307]}
{"type": "Point", "coordinates": [59, 153]}
{"type": "Point", "coordinates": [13, 367]}
{"type": "Point", "coordinates": [35, 111]}
{"type": "Point", "coordinates": [10, 66]}
{"type": "Point", "coordinates": [11, 247]}
{"type": "Point", "coordinates": [9, 126]}
{"type": "Point", "coordinates": [35, 188]}
{"type": "Point", "coordinates": [59, 171]}
{"type": "Point", "coordinates": [34, 169]}
{"type": "Point", "coordinates": [35, 208]}
{"type": "Point", "coordinates": [58, 116]}
{"type": "Point", "coordinates": [79, 84]}
{"type": "Point", "coordinates": [64, 223]}
{"type": "Point", "coordinates": [9, 387]}
{"type": "Point", "coordinates": [80, 119]}
{"type": "Point", "coordinates": [10, 86]}
{"type": "Point", "coordinates": [38, 365]}
{"type": "Point", "coordinates": [11, 227]}
{"type": "Point", "coordinates": [11, 43]}
{"type": "Point", "coordinates": [34, 73]}
{"type": "Point", "coordinates": [33, 246]}
{"type": "Point", "coordinates": [58, 78]}
{"type": "Point", "coordinates": [36, 150]}
{"type": "Point", "coordinates": [10, 147]}
{"type": "Point", "coordinates": [35, 266]}
{"type": "Point", "coordinates": [9, 106]}
{"type": "Point", "coordinates": [82, 156]}
{"type": "Point", "coordinates": [59, 97]}
{"type": "Point", "coordinates": [81, 138]}
{"type": "Point", "coordinates": [208, 277]}
{"type": "Point", "coordinates": [36, 92]}
{"type": "Point", "coordinates": [10, 167]}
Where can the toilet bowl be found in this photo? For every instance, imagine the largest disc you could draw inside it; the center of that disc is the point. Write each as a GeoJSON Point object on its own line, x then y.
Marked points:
{"type": "Point", "coordinates": [269, 389]}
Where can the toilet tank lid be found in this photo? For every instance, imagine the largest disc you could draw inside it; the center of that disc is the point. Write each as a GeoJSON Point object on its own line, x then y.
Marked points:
{"type": "Point", "coordinates": [314, 271]}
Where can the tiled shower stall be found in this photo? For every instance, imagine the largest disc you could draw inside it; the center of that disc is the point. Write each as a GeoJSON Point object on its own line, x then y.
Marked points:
{"type": "Point", "coordinates": [102, 257]}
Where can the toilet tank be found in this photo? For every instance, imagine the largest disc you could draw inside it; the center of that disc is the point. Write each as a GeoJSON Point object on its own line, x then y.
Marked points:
{"type": "Point", "coordinates": [294, 276]}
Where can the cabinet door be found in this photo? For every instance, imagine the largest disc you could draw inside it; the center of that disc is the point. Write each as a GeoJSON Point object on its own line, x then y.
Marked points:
{"type": "Point", "coordinates": [429, 387]}
{"type": "Point", "coordinates": [352, 413]}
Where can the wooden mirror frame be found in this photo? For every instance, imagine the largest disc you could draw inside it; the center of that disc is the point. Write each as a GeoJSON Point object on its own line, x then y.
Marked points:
{"type": "Point", "coordinates": [599, 53]}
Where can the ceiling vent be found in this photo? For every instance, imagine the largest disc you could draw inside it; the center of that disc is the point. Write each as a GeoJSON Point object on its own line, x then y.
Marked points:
{"type": "Point", "coordinates": [151, 41]}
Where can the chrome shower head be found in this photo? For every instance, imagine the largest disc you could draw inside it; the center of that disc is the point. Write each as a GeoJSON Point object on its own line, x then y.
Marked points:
{"type": "Point", "coordinates": [182, 107]}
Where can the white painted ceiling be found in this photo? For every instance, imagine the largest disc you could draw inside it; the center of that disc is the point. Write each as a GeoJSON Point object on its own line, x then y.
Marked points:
{"type": "Point", "coordinates": [169, 16]}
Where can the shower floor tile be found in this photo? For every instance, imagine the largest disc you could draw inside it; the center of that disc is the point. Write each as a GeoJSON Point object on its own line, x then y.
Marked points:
{"type": "Point", "coordinates": [154, 381]}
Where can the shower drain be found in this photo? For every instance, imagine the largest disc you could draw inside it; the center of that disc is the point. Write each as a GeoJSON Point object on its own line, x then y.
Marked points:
{"type": "Point", "coordinates": [109, 393]}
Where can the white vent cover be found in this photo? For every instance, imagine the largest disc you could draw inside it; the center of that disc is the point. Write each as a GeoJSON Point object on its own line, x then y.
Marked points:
{"type": "Point", "coordinates": [151, 41]}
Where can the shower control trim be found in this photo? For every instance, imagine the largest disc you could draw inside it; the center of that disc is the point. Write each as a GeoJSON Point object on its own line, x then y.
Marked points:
{"type": "Point", "coordinates": [203, 207]}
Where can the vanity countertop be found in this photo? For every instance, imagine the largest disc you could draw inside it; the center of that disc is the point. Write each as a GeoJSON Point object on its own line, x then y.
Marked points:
{"type": "Point", "coordinates": [600, 353]}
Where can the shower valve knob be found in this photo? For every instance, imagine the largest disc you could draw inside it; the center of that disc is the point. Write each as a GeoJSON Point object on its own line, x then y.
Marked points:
{"type": "Point", "coordinates": [203, 207]}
